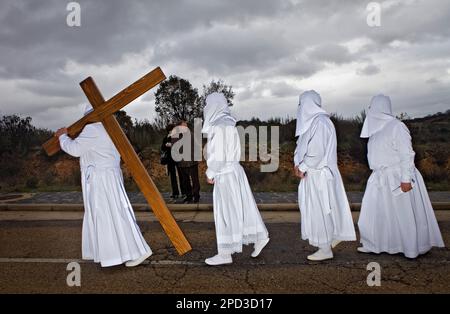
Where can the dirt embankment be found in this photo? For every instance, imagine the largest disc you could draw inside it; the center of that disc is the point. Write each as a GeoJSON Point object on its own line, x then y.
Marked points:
{"type": "Point", "coordinates": [37, 171]}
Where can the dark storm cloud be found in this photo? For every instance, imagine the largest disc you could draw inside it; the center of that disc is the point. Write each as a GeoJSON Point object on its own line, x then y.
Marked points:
{"type": "Point", "coordinates": [228, 49]}
{"type": "Point", "coordinates": [295, 68]}
{"type": "Point", "coordinates": [370, 69]}
{"type": "Point", "coordinates": [36, 30]}
{"type": "Point", "coordinates": [331, 53]}
{"type": "Point", "coordinates": [268, 50]}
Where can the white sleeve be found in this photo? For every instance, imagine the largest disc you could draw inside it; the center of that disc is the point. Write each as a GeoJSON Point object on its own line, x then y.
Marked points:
{"type": "Point", "coordinates": [403, 145]}
{"type": "Point", "coordinates": [78, 146]}
{"type": "Point", "coordinates": [215, 160]}
{"type": "Point", "coordinates": [317, 146]}
{"type": "Point", "coordinates": [296, 152]}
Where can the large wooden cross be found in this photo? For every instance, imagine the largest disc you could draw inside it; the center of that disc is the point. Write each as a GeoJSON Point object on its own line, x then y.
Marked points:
{"type": "Point", "coordinates": [103, 112]}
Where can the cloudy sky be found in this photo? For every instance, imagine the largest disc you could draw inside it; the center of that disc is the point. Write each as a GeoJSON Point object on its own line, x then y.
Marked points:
{"type": "Point", "coordinates": [269, 51]}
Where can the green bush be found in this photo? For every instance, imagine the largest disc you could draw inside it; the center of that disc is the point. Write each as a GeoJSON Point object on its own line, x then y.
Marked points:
{"type": "Point", "coordinates": [17, 135]}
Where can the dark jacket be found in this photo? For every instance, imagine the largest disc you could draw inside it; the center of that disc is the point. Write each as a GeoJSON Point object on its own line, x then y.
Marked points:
{"type": "Point", "coordinates": [192, 161]}
{"type": "Point", "coordinates": [167, 150]}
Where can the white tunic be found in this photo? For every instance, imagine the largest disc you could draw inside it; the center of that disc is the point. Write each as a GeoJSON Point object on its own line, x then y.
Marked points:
{"type": "Point", "coordinates": [324, 207]}
{"type": "Point", "coordinates": [393, 221]}
{"type": "Point", "coordinates": [237, 218]}
{"type": "Point", "coordinates": [110, 234]}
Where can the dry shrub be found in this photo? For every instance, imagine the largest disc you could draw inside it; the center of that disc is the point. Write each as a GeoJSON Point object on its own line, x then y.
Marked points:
{"type": "Point", "coordinates": [430, 170]}
{"type": "Point", "coordinates": [353, 171]}
{"type": "Point", "coordinates": [447, 169]}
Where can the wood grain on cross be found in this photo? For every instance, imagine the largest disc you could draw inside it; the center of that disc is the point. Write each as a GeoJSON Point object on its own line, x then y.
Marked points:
{"type": "Point", "coordinates": [103, 112]}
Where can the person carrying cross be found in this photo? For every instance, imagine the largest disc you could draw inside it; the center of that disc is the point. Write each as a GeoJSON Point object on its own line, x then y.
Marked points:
{"type": "Point", "coordinates": [110, 233]}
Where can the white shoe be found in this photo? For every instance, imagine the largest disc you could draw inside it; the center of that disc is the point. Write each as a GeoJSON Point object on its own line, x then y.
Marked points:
{"type": "Point", "coordinates": [139, 260]}
{"type": "Point", "coordinates": [219, 260]}
{"type": "Point", "coordinates": [335, 243]}
{"type": "Point", "coordinates": [259, 246]}
{"type": "Point", "coordinates": [362, 249]}
{"type": "Point", "coordinates": [321, 255]}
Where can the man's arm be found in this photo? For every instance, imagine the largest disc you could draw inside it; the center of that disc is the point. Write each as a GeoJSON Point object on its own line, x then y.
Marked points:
{"type": "Point", "coordinates": [403, 145]}
{"type": "Point", "coordinates": [317, 146]}
{"type": "Point", "coordinates": [215, 159]}
{"type": "Point", "coordinates": [78, 146]}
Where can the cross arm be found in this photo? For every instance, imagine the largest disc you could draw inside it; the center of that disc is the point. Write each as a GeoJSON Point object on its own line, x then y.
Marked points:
{"type": "Point", "coordinates": [109, 107]}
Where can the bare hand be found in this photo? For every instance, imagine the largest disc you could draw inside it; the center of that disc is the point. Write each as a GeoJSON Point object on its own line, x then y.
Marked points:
{"type": "Point", "coordinates": [210, 181]}
{"type": "Point", "coordinates": [406, 187]}
{"type": "Point", "coordinates": [61, 131]}
{"type": "Point", "coordinates": [298, 173]}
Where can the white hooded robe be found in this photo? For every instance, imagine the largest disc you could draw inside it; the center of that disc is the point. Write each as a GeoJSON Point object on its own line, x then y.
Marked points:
{"type": "Point", "coordinates": [110, 234]}
{"type": "Point", "coordinates": [237, 218]}
{"type": "Point", "coordinates": [393, 221]}
{"type": "Point", "coordinates": [324, 207]}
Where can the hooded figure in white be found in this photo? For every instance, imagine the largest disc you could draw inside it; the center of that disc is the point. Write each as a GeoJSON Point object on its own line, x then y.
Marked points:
{"type": "Point", "coordinates": [110, 233]}
{"type": "Point", "coordinates": [236, 215]}
{"type": "Point", "coordinates": [396, 213]}
{"type": "Point", "coordinates": [326, 219]}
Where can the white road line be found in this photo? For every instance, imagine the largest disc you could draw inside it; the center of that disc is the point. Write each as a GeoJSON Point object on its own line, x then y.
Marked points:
{"type": "Point", "coordinates": [80, 261]}
{"type": "Point", "coordinates": [41, 260]}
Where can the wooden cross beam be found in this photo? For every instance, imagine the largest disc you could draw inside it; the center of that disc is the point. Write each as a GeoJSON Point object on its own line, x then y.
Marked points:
{"type": "Point", "coordinates": [103, 112]}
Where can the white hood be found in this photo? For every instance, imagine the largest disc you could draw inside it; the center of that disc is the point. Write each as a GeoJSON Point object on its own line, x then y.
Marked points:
{"type": "Point", "coordinates": [310, 106]}
{"type": "Point", "coordinates": [378, 115]}
{"type": "Point", "coordinates": [216, 112]}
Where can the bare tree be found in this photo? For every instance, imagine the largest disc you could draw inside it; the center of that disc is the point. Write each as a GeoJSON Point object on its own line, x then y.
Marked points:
{"type": "Point", "coordinates": [218, 87]}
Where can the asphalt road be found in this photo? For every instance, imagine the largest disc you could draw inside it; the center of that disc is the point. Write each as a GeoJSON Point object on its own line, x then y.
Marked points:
{"type": "Point", "coordinates": [34, 256]}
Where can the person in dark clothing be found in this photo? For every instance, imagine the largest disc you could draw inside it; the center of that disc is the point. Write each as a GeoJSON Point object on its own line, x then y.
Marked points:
{"type": "Point", "coordinates": [166, 158]}
{"type": "Point", "coordinates": [187, 169]}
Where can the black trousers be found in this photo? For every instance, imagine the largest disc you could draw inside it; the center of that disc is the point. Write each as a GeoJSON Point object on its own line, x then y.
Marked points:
{"type": "Point", "coordinates": [172, 170]}
{"type": "Point", "coordinates": [182, 178]}
{"type": "Point", "coordinates": [189, 179]}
